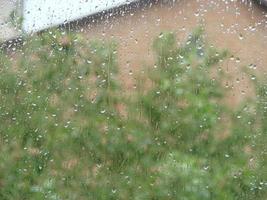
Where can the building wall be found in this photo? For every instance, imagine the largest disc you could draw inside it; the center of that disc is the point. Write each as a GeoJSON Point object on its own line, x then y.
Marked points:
{"type": "Point", "coordinates": [41, 14]}
{"type": "Point", "coordinates": [7, 29]}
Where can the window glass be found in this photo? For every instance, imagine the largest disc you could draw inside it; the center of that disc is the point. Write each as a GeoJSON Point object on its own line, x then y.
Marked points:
{"type": "Point", "coordinates": [133, 99]}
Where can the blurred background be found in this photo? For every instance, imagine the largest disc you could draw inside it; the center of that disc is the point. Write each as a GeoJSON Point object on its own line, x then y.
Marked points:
{"type": "Point", "coordinates": [133, 99]}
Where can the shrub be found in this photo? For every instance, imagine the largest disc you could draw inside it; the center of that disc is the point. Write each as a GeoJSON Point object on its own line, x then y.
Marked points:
{"type": "Point", "coordinates": [68, 131]}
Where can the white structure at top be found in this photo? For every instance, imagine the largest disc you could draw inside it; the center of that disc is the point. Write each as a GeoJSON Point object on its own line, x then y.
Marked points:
{"type": "Point", "coordinates": [41, 14]}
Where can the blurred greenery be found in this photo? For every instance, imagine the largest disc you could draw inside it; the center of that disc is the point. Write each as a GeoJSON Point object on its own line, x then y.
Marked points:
{"type": "Point", "coordinates": [68, 131]}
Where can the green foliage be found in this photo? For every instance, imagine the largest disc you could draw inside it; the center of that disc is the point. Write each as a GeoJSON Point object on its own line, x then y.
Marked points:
{"type": "Point", "coordinates": [15, 19]}
{"type": "Point", "coordinates": [68, 131]}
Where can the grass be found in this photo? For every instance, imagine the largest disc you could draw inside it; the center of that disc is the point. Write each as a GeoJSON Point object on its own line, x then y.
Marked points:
{"type": "Point", "coordinates": [68, 132]}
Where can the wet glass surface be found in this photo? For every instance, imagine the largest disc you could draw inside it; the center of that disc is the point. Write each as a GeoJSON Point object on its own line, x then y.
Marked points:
{"type": "Point", "coordinates": [152, 99]}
